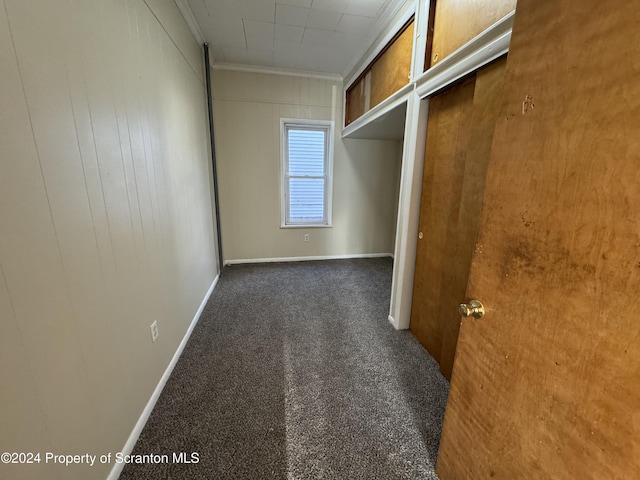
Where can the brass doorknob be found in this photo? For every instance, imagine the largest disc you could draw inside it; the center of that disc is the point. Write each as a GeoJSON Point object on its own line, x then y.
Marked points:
{"type": "Point", "coordinates": [473, 309]}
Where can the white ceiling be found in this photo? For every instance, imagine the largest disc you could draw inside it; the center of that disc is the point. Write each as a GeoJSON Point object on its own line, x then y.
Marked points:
{"type": "Point", "coordinates": [327, 36]}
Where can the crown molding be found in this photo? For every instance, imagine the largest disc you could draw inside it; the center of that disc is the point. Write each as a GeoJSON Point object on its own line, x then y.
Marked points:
{"type": "Point", "coordinates": [188, 16]}
{"type": "Point", "coordinates": [277, 71]}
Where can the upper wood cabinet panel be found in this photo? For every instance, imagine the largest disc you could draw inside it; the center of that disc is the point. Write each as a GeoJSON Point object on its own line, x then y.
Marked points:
{"type": "Point", "coordinates": [386, 74]}
{"type": "Point", "coordinates": [356, 99]}
{"type": "Point", "coordinates": [458, 21]}
{"type": "Point", "coordinates": [391, 71]}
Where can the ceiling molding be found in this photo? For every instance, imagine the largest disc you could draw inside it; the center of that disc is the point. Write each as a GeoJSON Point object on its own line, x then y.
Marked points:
{"type": "Point", "coordinates": [188, 16]}
{"type": "Point", "coordinates": [277, 71]}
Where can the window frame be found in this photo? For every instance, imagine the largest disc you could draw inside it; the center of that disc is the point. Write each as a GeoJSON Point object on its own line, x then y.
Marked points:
{"type": "Point", "coordinates": [328, 126]}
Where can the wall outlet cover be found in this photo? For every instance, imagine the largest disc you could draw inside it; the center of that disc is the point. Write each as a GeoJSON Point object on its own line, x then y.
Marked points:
{"type": "Point", "coordinates": [154, 331]}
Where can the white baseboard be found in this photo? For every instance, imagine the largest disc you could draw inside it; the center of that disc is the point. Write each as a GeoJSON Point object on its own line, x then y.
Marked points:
{"type": "Point", "coordinates": [306, 259]}
{"type": "Point", "coordinates": [137, 429]}
{"type": "Point", "coordinates": [393, 322]}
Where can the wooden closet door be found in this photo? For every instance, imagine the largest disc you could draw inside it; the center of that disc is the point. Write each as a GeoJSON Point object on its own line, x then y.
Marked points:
{"type": "Point", "coordinates": [547, 384]}
{"type": "Point", "coordinates": [459, 135]}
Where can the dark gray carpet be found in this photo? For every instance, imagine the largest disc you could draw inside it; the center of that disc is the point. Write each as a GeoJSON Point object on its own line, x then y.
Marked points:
{"type": "Point", "coordinates": [294, 372]}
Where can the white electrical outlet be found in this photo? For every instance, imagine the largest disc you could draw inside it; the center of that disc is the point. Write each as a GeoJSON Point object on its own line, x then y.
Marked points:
{"type": "Point", "coordinates": [154, 331]}
{"type": "Point", "coordinates": [306, 237]}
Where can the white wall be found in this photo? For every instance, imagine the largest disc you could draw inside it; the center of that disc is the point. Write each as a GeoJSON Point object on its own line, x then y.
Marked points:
{"type": "Point", "coordinates": [105, 218]}
{"type": "Point", "coordinates": [247, 111]}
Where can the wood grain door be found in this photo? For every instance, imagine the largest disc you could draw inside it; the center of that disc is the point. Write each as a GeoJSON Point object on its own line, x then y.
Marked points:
{"type": "Point", "coordinates": [459, 134]}
{"type": "Point", "coordinates": [547, 384]}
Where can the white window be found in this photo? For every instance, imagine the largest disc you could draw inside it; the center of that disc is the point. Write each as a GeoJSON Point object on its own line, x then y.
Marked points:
{"type": "Point", "coordinates": [307, 163]}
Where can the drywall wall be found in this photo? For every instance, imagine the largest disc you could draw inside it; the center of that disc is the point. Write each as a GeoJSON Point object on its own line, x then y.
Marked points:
{"type": "Point", "coordinates": [105, 220]}
{"type": "Point", "coordinates": [247, 111]}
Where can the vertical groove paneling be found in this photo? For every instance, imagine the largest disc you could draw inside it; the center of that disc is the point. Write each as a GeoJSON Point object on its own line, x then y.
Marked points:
{"type": "Point", "coordinates": [27, 420]}
{"type": "Point", "coordinates": [106, 217]}
{"type": "Point", "coordinates": [51, 336]}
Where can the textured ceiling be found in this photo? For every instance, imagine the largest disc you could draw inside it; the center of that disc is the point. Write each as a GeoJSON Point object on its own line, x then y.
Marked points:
{"type": "Point", "coordinates": [326, 36]}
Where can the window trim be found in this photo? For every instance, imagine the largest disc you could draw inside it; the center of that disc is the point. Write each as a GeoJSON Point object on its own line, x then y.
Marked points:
{"type": "Point", "coordinates": [329, 127]}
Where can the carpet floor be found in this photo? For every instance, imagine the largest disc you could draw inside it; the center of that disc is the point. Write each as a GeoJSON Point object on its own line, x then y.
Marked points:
{"type": "Point", "coordinates": [294, 372]}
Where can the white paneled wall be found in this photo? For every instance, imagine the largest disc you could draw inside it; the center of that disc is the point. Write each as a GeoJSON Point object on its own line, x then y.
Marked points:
{"type": "Point", "coordinates": [105, 219]}
{"type": "Point", "coordinates": [247, 111]}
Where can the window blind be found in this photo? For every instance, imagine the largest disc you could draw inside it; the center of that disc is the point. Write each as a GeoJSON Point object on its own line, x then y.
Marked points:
{"type": "Point", "coordinates": [306, 175]}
